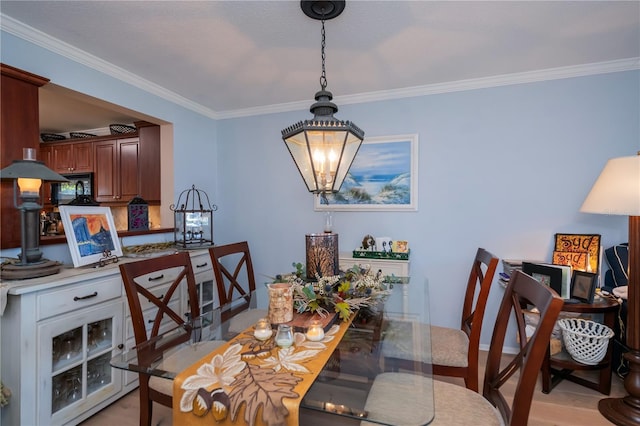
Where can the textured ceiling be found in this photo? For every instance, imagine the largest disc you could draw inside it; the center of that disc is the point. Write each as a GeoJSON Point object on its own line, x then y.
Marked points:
{"type": "Point", "coordinates": [236, 55]}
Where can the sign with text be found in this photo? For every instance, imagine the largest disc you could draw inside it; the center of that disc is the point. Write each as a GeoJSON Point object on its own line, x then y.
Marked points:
{"type": "Point", "coordinates": [580, 251]}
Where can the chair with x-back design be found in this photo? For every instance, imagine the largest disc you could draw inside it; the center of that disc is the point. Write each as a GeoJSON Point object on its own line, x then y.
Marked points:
{"type": "Point", "coordinates": [454, 351]}
{"type": "Point", "coordinates": [151, 314]}
{"type": "Point", "coordinates": [235, 281]}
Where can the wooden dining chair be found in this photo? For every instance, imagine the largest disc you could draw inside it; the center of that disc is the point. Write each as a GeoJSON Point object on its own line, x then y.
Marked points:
{"type": "Point", "coordinates": [235, 281]}
{"type": "Point", "coordinates": [455, 404]}
{"type": "Point", "coordinates": [454, 352]}
{"type": "Point", "coordinates": [151, 314]}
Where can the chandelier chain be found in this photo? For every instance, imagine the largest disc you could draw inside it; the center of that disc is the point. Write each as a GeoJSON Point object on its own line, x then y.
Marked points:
{"type": "Point", "coordinates": [323, 77]}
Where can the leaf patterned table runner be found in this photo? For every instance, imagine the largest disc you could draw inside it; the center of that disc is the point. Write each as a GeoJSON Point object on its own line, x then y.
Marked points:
{"type": "Point", "coordinates": [246, 381]}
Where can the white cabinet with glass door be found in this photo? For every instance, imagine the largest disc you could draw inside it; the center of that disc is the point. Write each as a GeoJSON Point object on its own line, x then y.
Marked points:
{"type": "Point", "coordinates": [74, 370]}
{"type": "Point", "coordinates": [205, 284]}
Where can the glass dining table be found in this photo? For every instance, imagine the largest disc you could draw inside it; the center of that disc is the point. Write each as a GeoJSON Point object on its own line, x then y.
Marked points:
{"type": "Point", "coordinates": [340, 369]}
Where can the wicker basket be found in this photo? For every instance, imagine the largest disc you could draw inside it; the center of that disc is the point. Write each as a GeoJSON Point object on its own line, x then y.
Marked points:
{"type": "Point", "coordinates": [585, 340]}
{"type": "Point", "coordinates": [50, 137]}
{"type": "Point", "coordinates": [118, 129]}
{"type": "Point", "coordinates": [81, 135]}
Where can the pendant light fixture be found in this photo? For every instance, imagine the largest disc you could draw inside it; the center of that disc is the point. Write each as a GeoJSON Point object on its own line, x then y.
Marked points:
{"type": "Point", "coordinates": [324, 147]}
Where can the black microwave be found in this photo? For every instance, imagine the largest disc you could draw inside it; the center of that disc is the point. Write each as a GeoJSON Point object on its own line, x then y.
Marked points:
{"type": "Point", "coordinates": [65, 192]}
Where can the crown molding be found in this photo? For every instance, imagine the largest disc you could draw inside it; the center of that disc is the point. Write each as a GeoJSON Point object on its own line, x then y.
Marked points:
{"type": "Point", "coordinates": [628, 64]}
{"type": "Point", "coordinates": [39, 38]}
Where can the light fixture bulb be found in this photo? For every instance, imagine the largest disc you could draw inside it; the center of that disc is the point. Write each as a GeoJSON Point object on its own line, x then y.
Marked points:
{"type": "Point", "coordinates": [29, 186]}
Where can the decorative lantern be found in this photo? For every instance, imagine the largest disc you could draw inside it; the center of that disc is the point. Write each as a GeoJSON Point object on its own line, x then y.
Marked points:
{"type": "Point", "coordinates": [193, 219]}
{"type": "Point", "coordinates": [323, 147]}
{"type": "Point", "coordinates": [138, 214]}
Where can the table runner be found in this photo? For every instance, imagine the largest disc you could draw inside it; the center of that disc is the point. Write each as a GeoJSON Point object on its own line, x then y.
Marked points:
{"type": "Point", "coordinates": [246, 381]}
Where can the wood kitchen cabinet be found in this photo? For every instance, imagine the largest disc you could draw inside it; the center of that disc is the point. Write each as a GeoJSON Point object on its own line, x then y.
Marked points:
{"type": "Point", "coordinates": [19, 128]}
{"type": "Point", "coordinates": [116, 170]}
{"type": "Point", "coordinates": [149, 162]}
{"type": "Point", "coordinates": [46, 156]}
{"type": "Point", "coordinates": [74, 157]}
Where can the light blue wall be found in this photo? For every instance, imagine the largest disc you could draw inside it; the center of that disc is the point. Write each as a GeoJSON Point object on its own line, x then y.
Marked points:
{"type": "Point", "coordinates": [504, 168]}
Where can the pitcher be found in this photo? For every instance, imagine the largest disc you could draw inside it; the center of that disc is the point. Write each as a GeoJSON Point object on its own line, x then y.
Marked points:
{"type": "Point", "coordinates": [280, 302]}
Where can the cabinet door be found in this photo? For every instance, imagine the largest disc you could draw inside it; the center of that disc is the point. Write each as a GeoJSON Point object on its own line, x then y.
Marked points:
{"type": "Point", "coordinates": [116, 170]}
{"type": "Point", "coordinates": [149, 163]}
{"type": "Point", "coordinates": [128, 173]}
{"type": "Point", "coordinates": [105, 178]}
{"type": "Point", "coordinates": [74, 371]}
{"type": "Point", "coordinates": [63, 158]}
{"type": "Point", "coordinates": [82, 157]}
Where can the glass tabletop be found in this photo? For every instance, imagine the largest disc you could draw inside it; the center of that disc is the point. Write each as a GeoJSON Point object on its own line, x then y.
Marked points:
{"type": "Point", "coordinates": [383, 339]}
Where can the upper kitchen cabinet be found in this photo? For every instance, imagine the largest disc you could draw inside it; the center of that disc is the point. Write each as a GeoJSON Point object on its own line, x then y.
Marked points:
{"type": "Point", "coordinates": [149, 164]}
{"type": "Point", "coordinates": [72, 157]}
{"type": "Point", "coordinates": [129, 167]}
{"type": "Point", "coordinates": [19, 128]}
{"type": "Point", "coordinates": [117, 179]}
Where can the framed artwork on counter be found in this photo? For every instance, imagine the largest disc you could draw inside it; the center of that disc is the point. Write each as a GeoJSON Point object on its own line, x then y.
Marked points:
{"type": "Point", "coordinates": [91, 233]}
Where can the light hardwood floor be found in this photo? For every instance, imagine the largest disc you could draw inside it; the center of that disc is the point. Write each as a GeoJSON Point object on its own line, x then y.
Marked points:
{"type": "Point", "coordinates": [568, 404]}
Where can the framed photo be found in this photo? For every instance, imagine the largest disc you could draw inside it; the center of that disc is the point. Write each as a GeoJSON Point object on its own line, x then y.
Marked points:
{"type": "Point", "coordinates": [583, 286]}
{"type": "Point", "coordinates": [383, 176]}
{"type": "Point", "coordinates": [90, 232]}
{"type": "Point", "coordinates": [546, 274]}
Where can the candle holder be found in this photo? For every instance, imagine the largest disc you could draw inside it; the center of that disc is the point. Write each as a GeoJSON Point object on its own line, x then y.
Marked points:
{"type": "Point", "coordinates": [262, 329]}
{"type": "Point", "coordinates": [284, 336]}
{"type": "Point", "coordinates": [315, 332]}
{"type": "Point", "coordinates": [322, 255]}
{"type": "Point", "coordinates": [280, 302]}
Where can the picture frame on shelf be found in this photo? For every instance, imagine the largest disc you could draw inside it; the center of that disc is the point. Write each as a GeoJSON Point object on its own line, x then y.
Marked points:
{"type": "Point", "coordinates": [382, 177]}
{"type": "Point", "coordinates": [583, 286]}
{"type": "Point", "coordinates": [91, 234]}
{"type": "Point", "coordinates": [545, 274]}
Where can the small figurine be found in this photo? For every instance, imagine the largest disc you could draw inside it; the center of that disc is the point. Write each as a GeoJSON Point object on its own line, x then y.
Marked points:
{"type": "Point", "coordinates": [368, 243]}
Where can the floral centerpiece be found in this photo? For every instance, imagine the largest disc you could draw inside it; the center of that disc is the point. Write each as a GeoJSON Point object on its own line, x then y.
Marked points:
{"type": "Point", "coordinates": [357, 288]}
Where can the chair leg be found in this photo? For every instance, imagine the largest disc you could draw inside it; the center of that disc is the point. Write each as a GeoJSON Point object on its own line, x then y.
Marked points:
{"type": "Point", "coordinates": [146, 404]}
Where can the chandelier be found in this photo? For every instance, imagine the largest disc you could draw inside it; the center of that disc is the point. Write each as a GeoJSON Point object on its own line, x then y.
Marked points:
{"type": "Point", "coordinates": [323, 147]}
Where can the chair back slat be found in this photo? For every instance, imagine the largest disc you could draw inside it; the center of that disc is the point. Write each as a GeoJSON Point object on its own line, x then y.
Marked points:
{"type": "Point", "coordinates": [523, 292]}
{"type": "Point", "coordinates": [476, 295]}
{"type": "Point", "coordinates": [137, 277]}
{"type": "Point", "coordinates": [234, 289]}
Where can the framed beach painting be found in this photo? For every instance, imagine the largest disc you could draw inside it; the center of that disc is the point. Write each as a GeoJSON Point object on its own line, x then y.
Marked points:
{"type": "Point", "coordinates": [383, 176]}
{"type": "Point", "coordinates": [91, 234]}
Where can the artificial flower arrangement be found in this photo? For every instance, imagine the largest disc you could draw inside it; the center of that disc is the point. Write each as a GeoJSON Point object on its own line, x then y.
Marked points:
{"type": "Point", "coordinates": [357, 288]}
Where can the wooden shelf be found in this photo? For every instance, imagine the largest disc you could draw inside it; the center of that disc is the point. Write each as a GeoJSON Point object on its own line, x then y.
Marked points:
{"type": "Point", "coordinates": [561, 366]}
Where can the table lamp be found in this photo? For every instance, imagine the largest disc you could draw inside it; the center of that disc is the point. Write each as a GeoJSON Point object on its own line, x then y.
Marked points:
{"type": "Point", "coordinates": [617, 192]}
{"type": "Point", "coordinates": [27, 175]}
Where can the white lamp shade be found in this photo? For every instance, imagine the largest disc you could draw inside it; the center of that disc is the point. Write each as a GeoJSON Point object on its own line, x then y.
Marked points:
{"type": "Point", "coordinates": [617, 189]}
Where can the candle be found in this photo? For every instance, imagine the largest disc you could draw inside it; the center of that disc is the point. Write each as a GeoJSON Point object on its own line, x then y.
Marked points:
{"type": "Point", "coordinates": [315, 332]}
{"type": "Point", "coordinates": [263, 329]}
